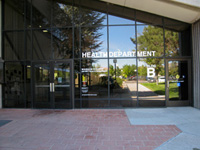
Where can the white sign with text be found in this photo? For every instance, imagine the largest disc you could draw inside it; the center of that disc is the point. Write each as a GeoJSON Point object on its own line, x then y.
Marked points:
{"type": "Point", "coordinates": [118, 54]}
{"type": "Point", "coordinates": [151, 72]}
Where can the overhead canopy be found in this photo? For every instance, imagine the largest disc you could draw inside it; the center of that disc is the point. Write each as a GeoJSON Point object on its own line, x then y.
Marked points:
{"type": "Point", "coordinates": [183, 10]}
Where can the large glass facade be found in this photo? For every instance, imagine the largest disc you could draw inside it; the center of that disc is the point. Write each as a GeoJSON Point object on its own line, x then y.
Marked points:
{"type": "Point", "coordinates": [119, 54]}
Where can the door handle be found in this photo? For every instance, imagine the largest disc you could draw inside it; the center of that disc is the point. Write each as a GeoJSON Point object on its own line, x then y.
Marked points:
{"type": "Point", "coordinates": [52, 87]}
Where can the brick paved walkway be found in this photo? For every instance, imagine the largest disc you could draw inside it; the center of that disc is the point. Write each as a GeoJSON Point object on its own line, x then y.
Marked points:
{"type": "Point", "coordinates": [78, 130]}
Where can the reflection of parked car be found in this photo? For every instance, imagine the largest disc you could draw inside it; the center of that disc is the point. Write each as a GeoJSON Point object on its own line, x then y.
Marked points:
{"type": "Point", "coordinates": [133, 78]}
{"type": "Point", "coordinates": [161, 79]}
{"type": "Point", "coordinates": [150, 79]}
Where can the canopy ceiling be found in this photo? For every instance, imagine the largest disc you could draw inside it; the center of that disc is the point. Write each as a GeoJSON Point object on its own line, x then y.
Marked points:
{"type": "Point", "coordinates": [183, 10]}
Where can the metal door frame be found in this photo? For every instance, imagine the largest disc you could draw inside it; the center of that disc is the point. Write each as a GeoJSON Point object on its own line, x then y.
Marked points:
{"type": "Point", "coordinates": [51, 65]}
{"type": "Point", "coordinates": [184, 102]}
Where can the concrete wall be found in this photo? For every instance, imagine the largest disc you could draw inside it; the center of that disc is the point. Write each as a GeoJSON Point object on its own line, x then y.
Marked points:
{"type": "Point", "coordinates": [196, 63]}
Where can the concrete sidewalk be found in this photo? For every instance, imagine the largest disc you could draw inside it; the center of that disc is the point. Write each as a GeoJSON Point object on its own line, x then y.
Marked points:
{"type": "Point", "coordinates": [187, 119]}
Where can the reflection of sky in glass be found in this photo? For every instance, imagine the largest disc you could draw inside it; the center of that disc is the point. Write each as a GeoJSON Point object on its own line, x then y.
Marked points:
{"type": "Point", "coordinates": [121, 62]}
{"type": "Point", "coordinates": [137, 22]}
{"type": "Point", "coordinates": [140, 29]}
{"type": "Point", "coordinates": [62, 6]}
{"type": "Point", "coordinates": [119, 20]}
{"type": "Point", "coordinates": [119, 38]}
{"type": "Point", "coordinates": [103, 39]}
{"type": "Point", "coordinates": [101, 62]}
{"type": "Point", "coordinates": [105, 20]}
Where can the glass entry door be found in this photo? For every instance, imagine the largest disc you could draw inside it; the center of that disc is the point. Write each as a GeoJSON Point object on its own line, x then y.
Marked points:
{"type": "Point", "coordinates": [178, 85]}
{"type": "Point", "coordinates": [52, 84]}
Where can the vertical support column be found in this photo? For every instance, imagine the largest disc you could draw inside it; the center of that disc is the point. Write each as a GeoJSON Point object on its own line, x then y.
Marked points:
{"type": "Point", "coordinates": [196, 63]}
{"type": "Point", "coordinates": [1, 51]}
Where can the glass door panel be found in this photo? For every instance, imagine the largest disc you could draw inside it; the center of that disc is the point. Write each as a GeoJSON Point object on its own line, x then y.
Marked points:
{"type": "Point", "coordinates": [42, 85]}
{"type": "Point", "coordinates": [62, 94]}
{"type": "Point", "coordinates": [178, 82]}
{"type": "Point", "coordinates": [52, 84]}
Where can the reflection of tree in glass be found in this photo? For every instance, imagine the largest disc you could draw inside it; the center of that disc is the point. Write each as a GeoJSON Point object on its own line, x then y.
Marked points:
{"type": "Point", "coordinates": [129, 70]}
{"type": "Point", "coordinates": [41, 16]}
{"type": "Point", "coordinates": [112, 71]}
{"type": "Point", "coordinates": [142, 71]}
{"type": "Point", "coordinates": [171, 43]}
{"type": "Point", "coordinates": [151, 39]}
{"type": "Point", "coordinates": [89, 35]}
{"type": "Point", "coordinates": [173, 69]}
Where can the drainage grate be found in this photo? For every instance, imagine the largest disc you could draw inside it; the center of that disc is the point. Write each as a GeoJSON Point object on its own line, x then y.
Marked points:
{"type": "Point", "coordinates": [4, 122]}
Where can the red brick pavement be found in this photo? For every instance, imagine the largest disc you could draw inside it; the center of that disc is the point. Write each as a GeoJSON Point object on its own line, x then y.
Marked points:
{"type": "Point", "coordinates": [78, 130]}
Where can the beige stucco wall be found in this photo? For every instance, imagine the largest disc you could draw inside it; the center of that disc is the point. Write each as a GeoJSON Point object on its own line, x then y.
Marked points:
{"type": "Point", "coordinates": [196, 63]}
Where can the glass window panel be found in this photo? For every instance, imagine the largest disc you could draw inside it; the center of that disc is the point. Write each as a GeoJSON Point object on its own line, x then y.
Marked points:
{"type": "Point", "coordinates": [92, 18]}
{"type": "Point", "coordinates": [151, 82]}
{"type": "Point", "coordinates": [94, 78]}
{"type": "Point", "coordinates": [63, 43]}
{"type": "Point", "coordinates": [41, 13]}
{"type": "Point", "coordinates": [89, 14]}
{"type": "Point", "coordinates": [94, 42]}
{"type": "Point", "coordinates": [77, 85]}
{"type": "Point", "coordinates": [76, 16]}
{"type": "Point", "coordinates": [77, 66]}
{"type": "Point", "coordinates": [77, 78]}
{"type": "Point", "coordinates": [185, 37]}
{"type": "Point", "coordinates": [14, 45]}
{"type": "Point", "coordinates": [28, 14]}
{"type": "Point", "coordinates": [14, 14]}
{"type": "Point", "coordinates": [41, 44]}
{"type": "Point", "coordinates": [139, 23]}
{"type": "Point", "coordinates": [77, 53]}
{"type": "Point", "coordinates": [177, 43]}
{"type": "Point", "coordinates": [172, 43]}
{"type": "Point", "coordinates": [114, 20]}
{"type": "Point", "coordinates": [62, 13]}
{"type": "Point", "coordinates": [41, 86]}
{"type": "Point", "coordinates": [28, 45]}
{"type": "Point", "coordinates": [62, 81]}
{"type": "Point", "coordinates": [150, 41]}
{"type": "Point", "coordinates": [122, 41]}
{"type": "Point", "coordinates": [14, 85]}
{"type": "Point", "coordinates": [123, 78]}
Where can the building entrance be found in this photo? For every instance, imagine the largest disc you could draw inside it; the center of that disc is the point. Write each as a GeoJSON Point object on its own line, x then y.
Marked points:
{"type": "Point", "coordinates": [178, 75]}
{"type": "Point", "coordinates": [52, 84]}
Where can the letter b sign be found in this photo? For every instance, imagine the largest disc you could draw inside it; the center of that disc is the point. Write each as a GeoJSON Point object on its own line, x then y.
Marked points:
{"type": "Point", "coordinates": [151, 72]}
